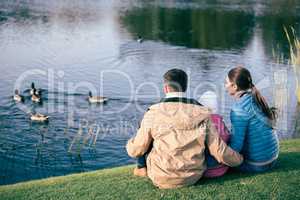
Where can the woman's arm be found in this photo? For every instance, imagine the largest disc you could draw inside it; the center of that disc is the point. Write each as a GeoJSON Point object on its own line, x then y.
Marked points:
{"type": "Point", "coordinates": [239, 126]}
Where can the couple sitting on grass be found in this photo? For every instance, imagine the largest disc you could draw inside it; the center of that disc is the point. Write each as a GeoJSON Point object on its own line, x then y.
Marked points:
{"type": "Point", "coordinates": [180, 140]}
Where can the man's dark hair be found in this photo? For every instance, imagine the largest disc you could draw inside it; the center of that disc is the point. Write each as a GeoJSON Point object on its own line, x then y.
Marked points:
{"type": "Point", "coordinates": [176, 79]}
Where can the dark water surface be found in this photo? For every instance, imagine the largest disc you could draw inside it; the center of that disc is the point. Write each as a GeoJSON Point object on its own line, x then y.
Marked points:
{"type": "Point", "coordinates": [68, 48]}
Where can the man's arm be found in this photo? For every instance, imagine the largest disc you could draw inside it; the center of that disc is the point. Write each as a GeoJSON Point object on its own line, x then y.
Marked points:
{"type": "Point", "coordinates": [138, 145]}
{"type": "Point", "coordinates": [219, 149]}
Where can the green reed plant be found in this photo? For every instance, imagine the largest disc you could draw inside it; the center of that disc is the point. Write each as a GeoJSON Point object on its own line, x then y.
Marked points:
{"type": "Point", "coordinates": [294, 43]}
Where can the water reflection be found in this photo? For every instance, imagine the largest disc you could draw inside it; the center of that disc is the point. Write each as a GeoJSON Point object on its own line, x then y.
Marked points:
{"type": "Point", "coordinates": [213, 28]}
{"type": "Point", "coordinates": [206, 29]}
{"type": "Point", "coordinates": [272, 29]}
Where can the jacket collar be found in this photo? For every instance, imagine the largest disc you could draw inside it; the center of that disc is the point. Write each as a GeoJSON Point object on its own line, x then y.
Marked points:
{"type": "Point", "coordinates": [181, 100]}
{"type": "Point", "coordinates": [175, 94]}
{"type": "Point", "coordinates": [241, 93]}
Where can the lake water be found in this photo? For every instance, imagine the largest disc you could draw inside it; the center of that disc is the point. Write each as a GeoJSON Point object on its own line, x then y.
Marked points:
{"type": "Point", "coordinates": [68, 48]}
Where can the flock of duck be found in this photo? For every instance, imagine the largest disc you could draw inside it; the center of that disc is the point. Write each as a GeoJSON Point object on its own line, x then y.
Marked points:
{"type": "Point", "coordinates": [36, 97]}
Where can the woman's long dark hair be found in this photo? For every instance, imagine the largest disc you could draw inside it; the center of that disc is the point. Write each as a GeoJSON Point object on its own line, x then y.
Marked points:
{"type": "Point", "coordinates": [242, 78]}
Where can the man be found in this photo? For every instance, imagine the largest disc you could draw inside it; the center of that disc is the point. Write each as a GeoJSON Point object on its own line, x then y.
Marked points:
{"type": "Point", "coordinates": [176, 132]}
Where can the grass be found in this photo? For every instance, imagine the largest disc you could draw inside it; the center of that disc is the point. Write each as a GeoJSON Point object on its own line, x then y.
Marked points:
{"type": "Point", "coordinates": [118, 183]}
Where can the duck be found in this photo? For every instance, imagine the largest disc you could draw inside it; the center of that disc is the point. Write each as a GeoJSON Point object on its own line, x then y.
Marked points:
{"type": "Point", "coordinates": [39, 117]}
{"type": "Point", "coordinates": [32, 89]}
{"type": "Point", "coordinates": [140, 39]}
{"type": "Point", "coordinates": [18, 97]}
{"type": "Point", "coordinates": [36, 96]}
{"type": "Point", "coordinates": [96, 99]}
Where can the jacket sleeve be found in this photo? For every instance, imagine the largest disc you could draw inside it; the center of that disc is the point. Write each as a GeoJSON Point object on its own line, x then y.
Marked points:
{"type": "Point", "coordinates": [138, 145]}
{"type": "Point", "coordinates": [239, 126]}
{"type": "Point", "coordinates": [219, 149]}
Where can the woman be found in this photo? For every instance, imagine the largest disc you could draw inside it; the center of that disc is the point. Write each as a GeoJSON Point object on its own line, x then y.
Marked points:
{"type": "Point", "coordinates": [251, 121]}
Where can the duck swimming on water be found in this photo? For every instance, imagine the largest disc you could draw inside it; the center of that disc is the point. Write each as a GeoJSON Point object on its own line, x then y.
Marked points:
{"type": "Point", "coordinates": [18, 97]}
{"type": "Point", "coordinates": [140, 39]}
{"type": "Point", "coordinates": [32, 89]}
{"type": "Point", "coordinates": [39, 117]}
{"type": "Point", "coordinates": [96, 99]}
{"type": "Point", "coordinates": [36, 96]}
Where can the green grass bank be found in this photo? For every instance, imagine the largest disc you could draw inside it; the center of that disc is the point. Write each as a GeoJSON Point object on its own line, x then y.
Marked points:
{"type": "Point", "coordinates": [119, 183]}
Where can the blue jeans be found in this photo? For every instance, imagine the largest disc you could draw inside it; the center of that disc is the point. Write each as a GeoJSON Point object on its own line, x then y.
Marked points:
{"type": "Point", "coordinates": [141, 161]}
{"type": "Point", "coordinates": [245, 167]}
